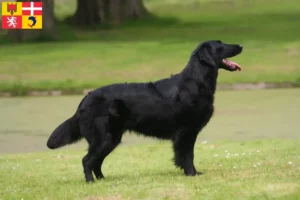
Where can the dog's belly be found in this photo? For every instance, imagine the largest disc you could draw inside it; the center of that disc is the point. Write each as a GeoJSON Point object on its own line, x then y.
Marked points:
{"type": "Point", "coordinates": [152, 125]}
{"type": "Point", "coordinates": [164, 125]}
{"type": "Point", "coordinates": [158, 129]}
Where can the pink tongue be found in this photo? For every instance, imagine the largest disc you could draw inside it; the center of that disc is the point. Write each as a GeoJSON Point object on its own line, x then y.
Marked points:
{"type": "Point", "coordinates": [232, 64]}
{"type": "Point", "coordinates": [236, 65]}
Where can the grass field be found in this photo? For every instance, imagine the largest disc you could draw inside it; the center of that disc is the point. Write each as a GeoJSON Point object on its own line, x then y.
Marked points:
{"type": "Point", "coordinates": [155, 48]}
{"type": "Point", "coordinates": [232, 170]}
{"type": "Point", "coordinates": [249, 150]}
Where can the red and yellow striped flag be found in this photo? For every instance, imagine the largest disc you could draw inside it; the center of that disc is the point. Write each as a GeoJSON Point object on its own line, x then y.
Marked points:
{"type": "Point", "coordinates": [22, 15]}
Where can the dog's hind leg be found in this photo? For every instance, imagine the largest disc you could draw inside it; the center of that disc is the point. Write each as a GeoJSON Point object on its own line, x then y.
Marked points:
{"type": "Point", "coordinates": [115, 129]}
{"type": "Point", "coordinates": [95, 139]}
{"type": "Point", "coordinates": [102, 150]}
{"type": "Point", "coordinates": [110, 142]}
{"type": "Point", "coordinates": [183, 146]}
{"type": "Point", "coordinates": [106, 149]}
{"type": "Point", "coordinates": [92, 141]}
{"type": "Point", "coordinates": [95, 156]}
{"type": "Point", "coordinates": [106, 134]}
{"type": "Point", "coordinates": [86, 170]}
{"type": "Point", "coordinates": [97, 169]}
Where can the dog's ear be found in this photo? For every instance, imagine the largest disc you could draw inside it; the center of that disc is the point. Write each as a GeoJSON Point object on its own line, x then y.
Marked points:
{"type": "Point", "coordinates": [206, 56]}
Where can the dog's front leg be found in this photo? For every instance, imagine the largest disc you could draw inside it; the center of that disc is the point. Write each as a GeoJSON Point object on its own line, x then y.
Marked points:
{"type": "Point", "coordinates": [183, 145]}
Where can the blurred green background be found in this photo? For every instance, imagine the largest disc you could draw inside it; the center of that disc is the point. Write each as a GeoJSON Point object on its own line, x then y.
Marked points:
{"type": "Point", "coordinates": [80, 51]}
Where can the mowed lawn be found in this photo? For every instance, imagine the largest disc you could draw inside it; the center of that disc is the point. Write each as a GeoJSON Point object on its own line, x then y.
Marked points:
{"type": "Point", "coordinates": [154, 48]}
{"type": "Point", "coordinates": [232, 170]}
{"type": "Point", "coordinates": [249, 150]}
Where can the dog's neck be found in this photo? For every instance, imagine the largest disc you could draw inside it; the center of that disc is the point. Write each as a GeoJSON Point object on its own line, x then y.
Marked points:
{"type": "Point", "coordinates": [201, 73]}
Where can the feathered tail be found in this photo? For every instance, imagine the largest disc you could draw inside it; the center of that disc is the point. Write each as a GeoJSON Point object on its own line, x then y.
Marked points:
{"type": "Point", "coordinates": [66, 133]}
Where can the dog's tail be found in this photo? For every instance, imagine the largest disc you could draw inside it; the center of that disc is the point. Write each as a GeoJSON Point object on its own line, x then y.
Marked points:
{"type": "Point", "coordinates": [66, 133]}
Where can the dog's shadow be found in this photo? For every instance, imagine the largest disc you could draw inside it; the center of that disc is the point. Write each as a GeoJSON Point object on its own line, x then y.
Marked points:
{"type": "Point", "coordinates": [116, 178]}
{"type": "Point", "coordinates": [166, 174]}
{"type": "Point", "coordinates": [144, 174]}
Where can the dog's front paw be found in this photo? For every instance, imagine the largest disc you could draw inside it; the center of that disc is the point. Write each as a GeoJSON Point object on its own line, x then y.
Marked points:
{"type": "Point", "coordinates": [190, 172]}
{"type": "Point", "coordinates": [89, 179]}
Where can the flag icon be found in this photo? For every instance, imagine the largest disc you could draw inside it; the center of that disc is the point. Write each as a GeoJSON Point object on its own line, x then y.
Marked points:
{"type": "Point", "coordinates": [22, 15]}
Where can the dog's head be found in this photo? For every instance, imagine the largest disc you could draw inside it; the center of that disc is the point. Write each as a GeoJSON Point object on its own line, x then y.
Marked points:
{"type": "Point", "coordinates": [214, 53]}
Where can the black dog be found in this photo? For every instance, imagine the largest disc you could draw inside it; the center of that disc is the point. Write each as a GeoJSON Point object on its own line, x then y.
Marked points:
{"type": "Point", "coordinates": [175, 108]}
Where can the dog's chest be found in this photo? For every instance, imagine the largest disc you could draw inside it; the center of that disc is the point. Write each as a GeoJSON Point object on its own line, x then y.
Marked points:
{"type": "Point", "coordinates": [202, 106]}
{"type": "Point", "coordinates": [196, 114]}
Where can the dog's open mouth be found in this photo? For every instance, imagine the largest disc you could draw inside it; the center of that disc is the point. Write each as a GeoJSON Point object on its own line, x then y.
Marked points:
{"type": "Point", "coordinates": [232, 66]}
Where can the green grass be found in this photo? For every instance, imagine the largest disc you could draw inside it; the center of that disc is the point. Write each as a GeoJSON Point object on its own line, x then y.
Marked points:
{"type": "Point", "coordinates": [267, 169]}
{"type": "Point", "coordinates": [155, 47]}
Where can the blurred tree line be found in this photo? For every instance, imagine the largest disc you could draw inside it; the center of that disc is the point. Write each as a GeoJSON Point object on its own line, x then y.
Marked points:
{"type": "Point", "coordinates": [88, 13]}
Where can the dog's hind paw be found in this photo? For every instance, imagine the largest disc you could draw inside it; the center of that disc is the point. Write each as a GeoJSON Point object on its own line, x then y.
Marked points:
{"type": "Point", "coordinates": [90, 181]}
{"type": "Point", "coordinates": [100, 177]}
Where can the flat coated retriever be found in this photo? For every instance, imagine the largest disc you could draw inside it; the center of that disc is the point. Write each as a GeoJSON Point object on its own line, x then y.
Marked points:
{"type": "Point", "coordinates": [174, 108]}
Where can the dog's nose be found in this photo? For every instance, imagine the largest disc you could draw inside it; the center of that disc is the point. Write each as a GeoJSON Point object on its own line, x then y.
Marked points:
{"type": "Point", "coordinates": [241, 46]}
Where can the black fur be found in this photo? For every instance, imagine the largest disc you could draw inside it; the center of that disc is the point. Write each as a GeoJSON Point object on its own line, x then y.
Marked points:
{"type": "Point", "coordinates": [175, 109]}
